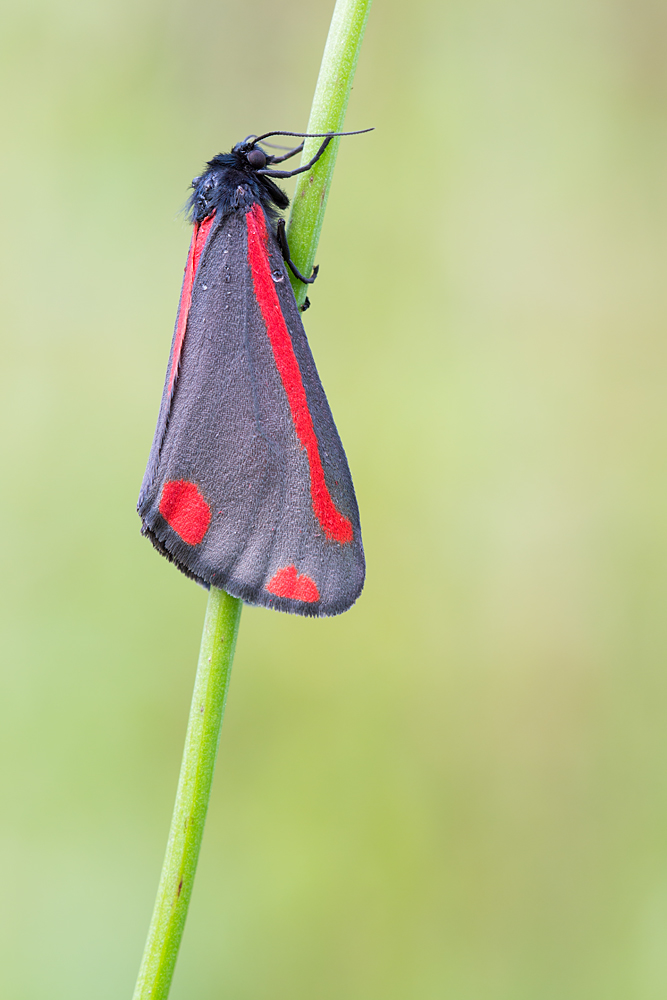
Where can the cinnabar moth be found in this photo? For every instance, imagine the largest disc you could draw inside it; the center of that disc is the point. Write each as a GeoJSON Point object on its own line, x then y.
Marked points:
{"type": "Point", "coordinates": [247, 486]}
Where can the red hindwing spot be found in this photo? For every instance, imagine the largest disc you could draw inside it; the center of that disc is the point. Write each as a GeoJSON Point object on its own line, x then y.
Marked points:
{"type": "Point", "coordinates": [334, 524]}
{"type": "Point", "coordinates": [287, 583]}
{"type": "Point", "coordinates": [185, 510]}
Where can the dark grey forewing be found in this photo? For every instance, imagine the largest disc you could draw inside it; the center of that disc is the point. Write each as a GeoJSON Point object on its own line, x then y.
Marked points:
{"type": "Point", "coordinates": [229, 430]}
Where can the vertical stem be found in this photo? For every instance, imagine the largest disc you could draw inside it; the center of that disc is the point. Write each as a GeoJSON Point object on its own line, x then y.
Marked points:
{"type": "Point", "coordinates": [327, 114]}
{"type": "Point", "coordinates": [187, 826]}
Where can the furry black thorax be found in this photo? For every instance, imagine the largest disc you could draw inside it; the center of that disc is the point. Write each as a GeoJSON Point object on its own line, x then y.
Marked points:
{"type": "Point", "coordinates": [231, 183]}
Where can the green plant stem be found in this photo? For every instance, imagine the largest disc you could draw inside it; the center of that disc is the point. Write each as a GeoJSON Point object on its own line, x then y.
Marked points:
{"type": "Point", "coordinates": [223, 612]}
{"type": "Point", "coordinates": [187, 825]}
{"type": "Point", "coordinates": [327, 114]}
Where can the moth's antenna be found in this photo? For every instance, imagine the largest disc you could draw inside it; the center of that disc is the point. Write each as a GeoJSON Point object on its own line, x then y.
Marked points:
{"type": "Point", "coordinates": [312, 135]}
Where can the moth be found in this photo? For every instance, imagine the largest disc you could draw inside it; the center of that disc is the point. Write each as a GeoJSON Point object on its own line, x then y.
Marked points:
{"type": "Point", "coordinates": [247, 486]}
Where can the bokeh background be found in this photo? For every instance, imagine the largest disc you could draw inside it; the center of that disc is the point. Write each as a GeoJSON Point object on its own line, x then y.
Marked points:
{"type": "Point", "coordinates": [459, 788]}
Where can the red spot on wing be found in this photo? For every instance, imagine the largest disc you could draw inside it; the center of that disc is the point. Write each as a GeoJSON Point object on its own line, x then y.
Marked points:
{"type": "Point", "coordinates": [197, 244]}
{"type": "Point", "coordinates": [333, 523]}
{"type": "Point", "coordinates": [185, 510]}
{"type": "Point", "coordinates": [287, 583]}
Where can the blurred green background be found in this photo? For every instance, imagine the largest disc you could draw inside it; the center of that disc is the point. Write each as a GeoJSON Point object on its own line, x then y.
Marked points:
{"type": "Point", "coordinates": [459, 788]}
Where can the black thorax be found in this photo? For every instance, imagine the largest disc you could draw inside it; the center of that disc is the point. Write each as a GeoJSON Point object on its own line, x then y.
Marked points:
{"type": "Point", "coordinates": [230, 184]}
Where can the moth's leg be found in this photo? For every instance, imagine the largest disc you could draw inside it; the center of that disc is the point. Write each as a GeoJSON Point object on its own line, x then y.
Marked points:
{"type": "Point", "coordinates": [299, 170]}
{"type": "Point", "coordinates": [284, 249]}
{"type": "Point", "coordinates": [286, 156]}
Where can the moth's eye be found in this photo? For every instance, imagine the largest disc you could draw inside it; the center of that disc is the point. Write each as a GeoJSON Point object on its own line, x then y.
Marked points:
{"type": "Point", "coordinates": [256, 158]}
{"type": "Point", "coordinates": [277, 275]}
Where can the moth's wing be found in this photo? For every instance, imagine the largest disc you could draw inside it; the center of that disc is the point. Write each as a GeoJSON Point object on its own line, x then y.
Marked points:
{"type": "Point", "coordinates": [231, 493]}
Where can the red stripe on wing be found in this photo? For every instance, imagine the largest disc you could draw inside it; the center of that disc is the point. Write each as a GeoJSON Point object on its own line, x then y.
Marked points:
{"type": "Point", "coordinates": [333, 523]}
{"type": "Point", "coordinates": [197, 244]}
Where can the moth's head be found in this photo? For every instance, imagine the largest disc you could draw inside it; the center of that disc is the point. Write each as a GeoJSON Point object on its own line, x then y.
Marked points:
{"type": "Point", "coordinates": [235, 180]}
{"type": "Point", "coordinates": [250, 154]}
